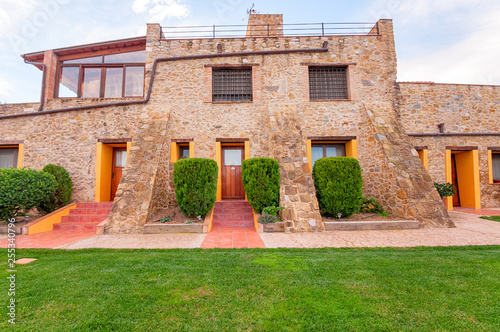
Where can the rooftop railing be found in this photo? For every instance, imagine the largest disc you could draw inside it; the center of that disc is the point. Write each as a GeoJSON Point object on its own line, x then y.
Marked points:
{"type": "Point", "coordinates": [269, 30]}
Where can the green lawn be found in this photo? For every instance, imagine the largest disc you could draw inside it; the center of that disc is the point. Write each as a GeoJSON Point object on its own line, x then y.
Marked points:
{"type": "Point", "coordinates": [494, 218]}
{"type": "Point", "coordinates": [417, 289]}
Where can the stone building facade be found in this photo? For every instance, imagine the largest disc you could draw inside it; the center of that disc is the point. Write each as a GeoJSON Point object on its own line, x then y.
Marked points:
{"type": "Point", "coordinates": [382, 123]}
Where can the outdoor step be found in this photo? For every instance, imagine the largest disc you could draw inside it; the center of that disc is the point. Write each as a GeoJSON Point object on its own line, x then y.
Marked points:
{"type": "Point", "coordinates": [83, 218]}
{"type": "Point", "coordinates": [86, 211]}
{"type": "Point", "coordinates": [93, 205]}
{"type": "Point", "coordinates": [86, 226]}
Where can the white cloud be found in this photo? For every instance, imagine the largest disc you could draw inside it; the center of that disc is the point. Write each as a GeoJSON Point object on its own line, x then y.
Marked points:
{"type": "Point", "coordinates": [161, 9]}
{"type": "Point", "coordinates": [6, 88]}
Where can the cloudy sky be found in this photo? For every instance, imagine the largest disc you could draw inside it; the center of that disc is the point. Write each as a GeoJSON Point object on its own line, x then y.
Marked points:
{"type": "Point", "coordinates": [448, 41]}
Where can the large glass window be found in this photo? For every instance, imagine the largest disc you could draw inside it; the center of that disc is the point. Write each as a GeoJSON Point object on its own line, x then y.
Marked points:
{"type": "Point", "coordinates": [105, 76]}
{"type": "Point", "coordinates": [8, 157]}
{"type": "Point", "coordinates": [327, 150]}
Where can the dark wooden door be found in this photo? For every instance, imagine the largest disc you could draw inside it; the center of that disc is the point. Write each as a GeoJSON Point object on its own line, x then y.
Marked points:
{"type": "Point", "coordinates": [232, 184]}
{"type": "Point", "coordinates": [454, 180]}
{"type": "Point", "coordinates": [118, 163]}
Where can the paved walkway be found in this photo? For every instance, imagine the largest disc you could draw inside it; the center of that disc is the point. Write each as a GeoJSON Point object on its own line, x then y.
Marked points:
{"type": "Point", "coordinates": [470, 230]}
{"type": "Point", "coordinates": [52, 239]}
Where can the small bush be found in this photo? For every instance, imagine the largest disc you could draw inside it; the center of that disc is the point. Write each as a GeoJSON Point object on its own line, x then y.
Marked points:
{"type": "Point", "coordinates": [24, 189]}
{"type": "Point", "coordinates": [62, 195]}
{"type": "Point", "coordinates": [195, 181]}
{"type": "Point", "coordinates": [339, 185]}
{"type": "Point", "coordinates": [272, 210]}
{"type": "Point", "coordinates": [261, 180]}
{"type": "Point", "coordinates": [267, 219]}
{"type": "Point", "coordinates": [371, 205]}
{"type": "Point", "coordinates": [445, 189]}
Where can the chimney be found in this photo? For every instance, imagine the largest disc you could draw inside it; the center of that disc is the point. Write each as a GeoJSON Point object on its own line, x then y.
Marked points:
{"type": "Point", "coordinates": [265, 25]}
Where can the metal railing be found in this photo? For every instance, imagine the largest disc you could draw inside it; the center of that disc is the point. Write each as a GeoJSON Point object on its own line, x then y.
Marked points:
{"type": "Point", "coordinates": [269, 30]}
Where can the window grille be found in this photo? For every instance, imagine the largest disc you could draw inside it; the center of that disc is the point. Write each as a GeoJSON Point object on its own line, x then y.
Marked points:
{"type": "Point", "coordinates": [232, 84]}
{"type": "Point", "coordinates": [328, 83]}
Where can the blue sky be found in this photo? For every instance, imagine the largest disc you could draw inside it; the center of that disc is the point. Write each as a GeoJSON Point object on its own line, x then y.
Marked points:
{"type": "Point", "coordinates": [447, 41]}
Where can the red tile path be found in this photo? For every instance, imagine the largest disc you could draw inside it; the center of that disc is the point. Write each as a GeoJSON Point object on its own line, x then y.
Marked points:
{"type": "Point", "coordinates": [52, 239]}
{"type": "Point", "coordinates": [81, 223]}
{"type": "Point", "coordinates": [483, 212]}
{"type": "Point", "coordinates": [233, 227]}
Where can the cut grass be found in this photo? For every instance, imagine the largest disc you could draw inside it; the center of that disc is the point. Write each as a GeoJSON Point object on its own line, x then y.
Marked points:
{"type": "Point", "coordinates": [494, 218]}
{"type": "Point", "coordinates": [382, 289]}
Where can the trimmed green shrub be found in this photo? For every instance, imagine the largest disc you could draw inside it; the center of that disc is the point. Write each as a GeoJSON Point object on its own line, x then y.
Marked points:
{"type": "Point", "coordinates": [371, 205]}
{"type": "Point", "coordinates": [62, 195]}
{"type": "Point", "coordinates": [261, 180]}
{"type": "Point", "coordinates": [24, 189]}
{"type": "Point", "coordinates": [195, 181]}
{"type": "Point", "coordinates": [339, 185]}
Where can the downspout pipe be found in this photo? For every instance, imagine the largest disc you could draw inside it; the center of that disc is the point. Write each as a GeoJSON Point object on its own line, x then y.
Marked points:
{"type": "Point", "coordinates": [323, 49]}
{"type": "Point", "coordinates": [44, 74]}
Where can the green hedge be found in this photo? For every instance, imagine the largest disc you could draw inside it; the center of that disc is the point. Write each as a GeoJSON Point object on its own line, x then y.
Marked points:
{"type": "Point", "coordinates": [195, 181]}
{"type": "Point", "coordinates": [339, 185]}
{"type": "Point", "coordinates": [24, 189]}
{"type": "Point", "coordinates": [62, 195]}
{"type": "Point", "coordinates": [261, 180]}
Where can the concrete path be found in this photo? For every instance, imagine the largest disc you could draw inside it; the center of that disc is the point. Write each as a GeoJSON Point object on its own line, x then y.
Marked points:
{"type": "Point", "coordinates": [470, 230]}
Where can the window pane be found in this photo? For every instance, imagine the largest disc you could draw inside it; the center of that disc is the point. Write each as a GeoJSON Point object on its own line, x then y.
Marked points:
{"type": "Point", "coordinates": [94, 59]}
{"type": "Point", "coordinates": [496, 165]}
{"type": "Point", "coordinates": [134, 81]}
{"type": "Point", "coordinates": [232, 157]}
{"type": "Point", "coordinates": [328, 83]}
{"type": "Point", "coordinates": [316, 153]}
{"type": "Point", "coordinates": [331, 151]}
{"type": "Point", "coordinates": [91, 82]}
{"type": "Point", "coordinates": [8, 158]}
{"type": "Point", "coordinates": [68, 82]}
{"type": "Point", "coordinates": [232, 84]}
{"type": "Point", "coordinates": [130, 57]}
{"type": "Point", "coordinates": [184, 152]}
{"type": "Point", "coordinates": [114, 83]}
{"type": "Point", "coordinates": [120, 158]}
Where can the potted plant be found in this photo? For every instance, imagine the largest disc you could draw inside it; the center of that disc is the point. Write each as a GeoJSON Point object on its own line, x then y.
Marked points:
{"type": "Point", "coordinates": [270, 219]}
{"type": "Point", "coordinates": [445, 190]}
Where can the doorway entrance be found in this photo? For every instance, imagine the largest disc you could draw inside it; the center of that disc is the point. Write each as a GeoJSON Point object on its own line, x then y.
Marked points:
{"type": "Point", "coordinates": [462, 170]}
{"type": "Point", "coordinates": [110, 161]}
{"type": "Point", "coordinates": [232, 183]}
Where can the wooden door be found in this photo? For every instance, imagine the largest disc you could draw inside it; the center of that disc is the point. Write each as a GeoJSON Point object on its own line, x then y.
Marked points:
{"type": "Point", "coordinates": [454, 180]}
{"type": "Point", "coordinates": [232, 184]}
{"type": "Point", "coordinates": [118, 163]}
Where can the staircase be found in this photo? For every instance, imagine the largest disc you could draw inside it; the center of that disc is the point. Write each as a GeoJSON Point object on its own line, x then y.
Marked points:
{"type": "Point", "coordinates": [85, 217]}
{"type": "Point", "coordinates": [233, 213]}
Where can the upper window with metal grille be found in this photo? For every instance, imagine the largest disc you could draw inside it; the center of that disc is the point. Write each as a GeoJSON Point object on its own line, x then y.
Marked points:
{"type": "Point", "coordinates": [230, 84]}
{"type": "Point", "coordinates": [328, 83]}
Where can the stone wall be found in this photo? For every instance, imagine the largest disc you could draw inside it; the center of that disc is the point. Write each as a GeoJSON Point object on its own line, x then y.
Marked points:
{"type": "Point", "coordinates": [464, 109]}
{"type": "Point", "coordinates": [7, 109]}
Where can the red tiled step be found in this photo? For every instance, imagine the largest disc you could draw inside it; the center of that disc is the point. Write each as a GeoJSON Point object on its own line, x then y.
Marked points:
{"type": "Point", "coordinates": [91, 205]}
{"type": "Point", "coordinates": [71, 226]}
{"type": "Point", "coordinates": [84, 218]}
{"type": "Point", "coordinates": [84, 211]}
